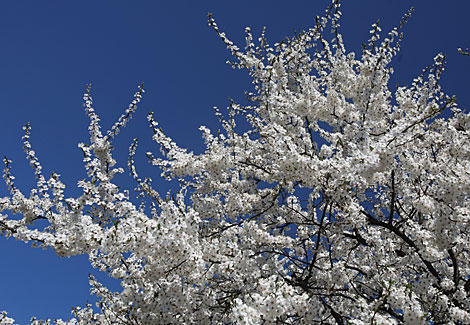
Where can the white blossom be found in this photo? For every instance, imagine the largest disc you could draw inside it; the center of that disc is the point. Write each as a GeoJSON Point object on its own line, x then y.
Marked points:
{"type": "Point", "coordinates": [344, 200]}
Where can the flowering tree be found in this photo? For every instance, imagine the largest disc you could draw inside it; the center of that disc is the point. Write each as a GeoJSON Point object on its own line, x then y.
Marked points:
{"type": "Point", "coordinates": [345, 202]}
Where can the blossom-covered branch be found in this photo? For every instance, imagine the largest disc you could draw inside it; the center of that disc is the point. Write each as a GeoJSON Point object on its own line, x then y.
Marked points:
{"type": "Point", "coordinates": [343, 201]}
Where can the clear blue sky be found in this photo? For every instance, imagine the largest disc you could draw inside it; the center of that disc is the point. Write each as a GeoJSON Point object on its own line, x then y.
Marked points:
{"type": "Point", "coordinates": [52, 49]}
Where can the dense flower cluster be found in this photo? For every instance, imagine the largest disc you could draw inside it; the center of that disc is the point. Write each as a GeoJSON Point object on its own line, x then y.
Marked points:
{"type": "Point", "coordinates": [345, 202]}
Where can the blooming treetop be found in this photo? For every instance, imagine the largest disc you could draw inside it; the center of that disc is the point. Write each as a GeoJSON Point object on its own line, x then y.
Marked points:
{"type": "Point", "coordinates": [345, 201]}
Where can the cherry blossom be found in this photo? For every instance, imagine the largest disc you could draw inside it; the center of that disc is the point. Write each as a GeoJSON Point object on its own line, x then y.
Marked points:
{"type": "Point", "coordinates": [339, 200]}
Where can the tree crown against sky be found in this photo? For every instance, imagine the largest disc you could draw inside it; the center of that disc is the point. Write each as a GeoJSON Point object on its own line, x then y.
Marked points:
{"type": "Point", "coordinates": [345, 200]}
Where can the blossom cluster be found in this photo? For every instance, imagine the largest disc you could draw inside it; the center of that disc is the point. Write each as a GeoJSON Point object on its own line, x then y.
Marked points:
{"type": "Point", "coordinates": [341, 201]}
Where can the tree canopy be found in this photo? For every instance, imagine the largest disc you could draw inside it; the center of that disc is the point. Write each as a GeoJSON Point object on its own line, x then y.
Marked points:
{"type": "Point", "coordinates": [331, 197]}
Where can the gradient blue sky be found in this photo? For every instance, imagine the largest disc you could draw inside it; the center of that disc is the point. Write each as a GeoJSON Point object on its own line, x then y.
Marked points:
{"type": "Point", "coordinates": [52, 49]}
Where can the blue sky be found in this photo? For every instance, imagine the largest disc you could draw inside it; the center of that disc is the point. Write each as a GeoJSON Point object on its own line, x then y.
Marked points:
{"type": "Point", "coordinates": [52, 49]}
